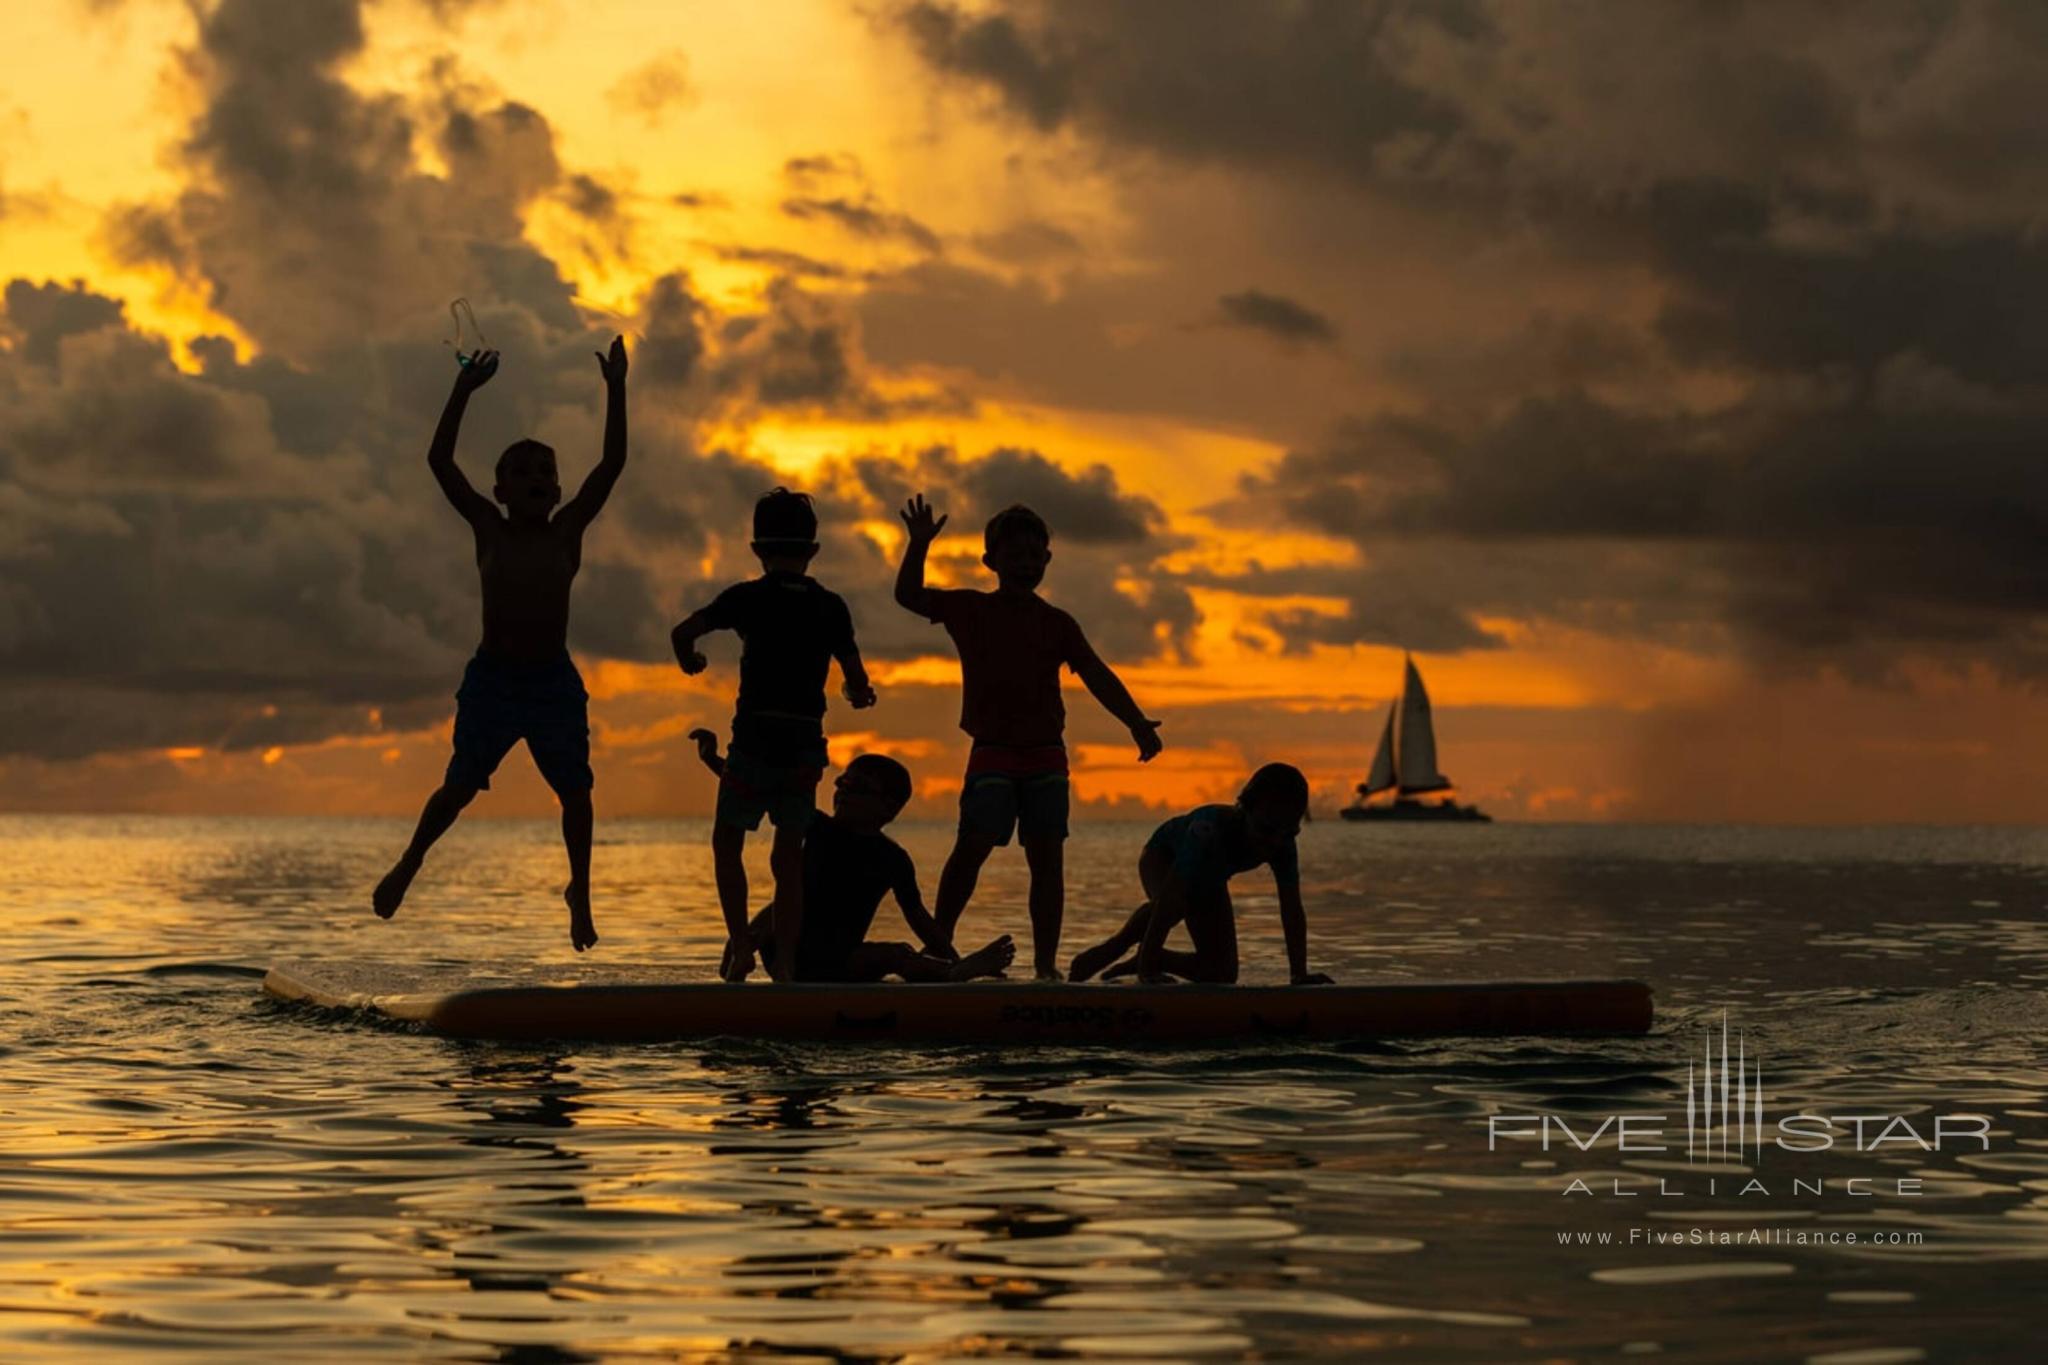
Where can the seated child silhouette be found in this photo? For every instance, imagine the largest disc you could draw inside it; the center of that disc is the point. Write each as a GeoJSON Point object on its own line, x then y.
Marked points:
{"type": "Point", "coordinates": [848, 865]}
{"type": "Point", "coordinates": [791, 628]}
{"type": "Point", "coordinates": [1186, 870]}
{"type": "Point", "coordinates": [1012, 645]}
{"type": "Point", "coordinates": [522, 683]}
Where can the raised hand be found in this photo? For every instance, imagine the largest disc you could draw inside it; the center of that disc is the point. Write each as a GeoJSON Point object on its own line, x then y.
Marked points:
{"type": "Point", "coordinates": [918, 520]}
{"type": "Point", "coordinates": [613, 365]}
{"type": "Point", "coordinates": [1146, 735]}
{"type": "Point", "coordinates": [706, 742]}
{"type": "Point", "coordinates": [476, 371]}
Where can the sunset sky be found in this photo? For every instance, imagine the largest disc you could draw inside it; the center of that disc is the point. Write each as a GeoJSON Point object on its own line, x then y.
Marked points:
{"type": "Point", "coordinates": [1668, 378]}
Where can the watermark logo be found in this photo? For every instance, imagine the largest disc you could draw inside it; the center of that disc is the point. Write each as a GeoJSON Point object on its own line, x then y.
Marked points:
{"type": "Point", "coordinates": [1726, 1123]}
{"type": "Point", "coordinates": [1707, 1110]}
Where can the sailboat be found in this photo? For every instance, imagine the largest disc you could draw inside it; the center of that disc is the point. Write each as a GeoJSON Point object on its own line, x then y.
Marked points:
{"type": "Point", "coordinates": [1405, 764]}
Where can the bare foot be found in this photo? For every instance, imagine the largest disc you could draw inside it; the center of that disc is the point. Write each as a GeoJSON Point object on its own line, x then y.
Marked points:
{"type": "Point", "coordinates": [1048, 975]}
{"type": "Point", "coordinates": [1128, 967]}
{"type": "Point", "coordinates": [582, 933]}
{"type": "Point", "coordinates": [1089, 961]}
{"type": "Point", "coordinates": [988, 960]}
{"type": "Point", "coordinates": [390, 893]}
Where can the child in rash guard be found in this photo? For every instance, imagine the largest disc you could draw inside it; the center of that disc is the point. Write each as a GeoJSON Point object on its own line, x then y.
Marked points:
{"type": "Point", "coordinates": [1186, 870]}
{"type": "Point", "coordinates": [791, 628]}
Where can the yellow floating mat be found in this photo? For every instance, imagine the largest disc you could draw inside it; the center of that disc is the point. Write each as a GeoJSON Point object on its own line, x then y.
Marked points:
{"type": "Point", "coordinates": [646, 1002]}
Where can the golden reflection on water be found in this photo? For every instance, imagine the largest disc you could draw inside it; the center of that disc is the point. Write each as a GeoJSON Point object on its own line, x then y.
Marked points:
{"type": "Point", "coordinates": [188, 1170]}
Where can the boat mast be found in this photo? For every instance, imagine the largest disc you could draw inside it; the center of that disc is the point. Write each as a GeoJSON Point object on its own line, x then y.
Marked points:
{"type": "Point", "coordinates": [1382, 777]}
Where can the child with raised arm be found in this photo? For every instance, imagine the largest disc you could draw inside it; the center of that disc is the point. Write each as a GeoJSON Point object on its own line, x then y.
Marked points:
{"type": "Point", "coordinates": [1186, 870]}
{"type": "Point", "coordinates": [849, 864]}
{"type": "Point", "coordinates": [1012, 645]}
{"type": "Point", "coordinates": [791, 628]}
{"type": "Point", "coordinates": [522, 683]}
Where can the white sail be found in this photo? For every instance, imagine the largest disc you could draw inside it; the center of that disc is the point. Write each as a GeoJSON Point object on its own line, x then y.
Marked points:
{"type": "Point", "coordinates": [1415, 761]}
{"type": "Point", "coordinates": [1381, 778]}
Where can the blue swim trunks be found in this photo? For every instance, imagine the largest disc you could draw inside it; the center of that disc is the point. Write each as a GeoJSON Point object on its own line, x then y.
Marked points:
{"type": "Point", "coordinates": [502, 701]}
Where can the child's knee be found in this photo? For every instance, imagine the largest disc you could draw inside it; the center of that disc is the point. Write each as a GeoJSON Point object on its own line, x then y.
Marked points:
{"type": "Point", "coordinates": [459, 794]}
{"type": "Point", "coordinates": [971, 849]}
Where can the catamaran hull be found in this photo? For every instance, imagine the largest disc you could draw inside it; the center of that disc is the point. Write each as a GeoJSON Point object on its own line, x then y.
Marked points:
{"type": "Point", "coordinates": [1439, 811]}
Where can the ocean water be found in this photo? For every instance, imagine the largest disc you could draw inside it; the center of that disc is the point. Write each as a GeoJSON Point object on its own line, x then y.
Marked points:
{"type": "Point", "coordinates": [191, 1171]}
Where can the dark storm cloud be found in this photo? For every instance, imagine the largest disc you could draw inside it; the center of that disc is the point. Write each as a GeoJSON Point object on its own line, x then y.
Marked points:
{"type": "Point", "coordinates": [1280, 318]}
{"type": "Point", "coordinates": [803, 352]}
{"type": "Point", "coordinates": [1842, 526]}
{"type": "Point", "coordinates": [1087, 508]}
{"type": "Point", "coordinates": [792, 263]}
{"type": "Point", "coordinates": [1305, 83]}
{"type": "Point", "coordinates": [306, 218]}
{"type": "Point", "coordinates": [1974, 302]}
{"type": "Point", "coordinates": [672, 335]}
{"type": "Point", "coordinates": [1835, 214]}
{"type": "Point", "coordinates": [835, 189]}
{"type": "Point", "coordinates": [588, 197]}
{"type": "Point", "coordinates": [42, 315]}
{"type": "Point", "coordinates": [864, 219]}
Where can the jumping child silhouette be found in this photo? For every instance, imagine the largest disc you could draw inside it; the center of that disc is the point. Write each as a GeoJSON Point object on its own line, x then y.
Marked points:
{"type": "Point", "coordinates": [791, 628]}
{"type": "Point", "coordinates": [522, 683]}
{"type": "Point", "coordinates": [1012, 645]}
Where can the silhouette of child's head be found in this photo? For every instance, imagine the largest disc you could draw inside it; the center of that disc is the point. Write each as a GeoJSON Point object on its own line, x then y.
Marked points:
{"type": "Point", "coordinates": [871, 792]}
{"type": "Point", "coordinates": [1274, 802]}
{"type": "Point", "coordinates": [785, 528]}
{"type": "Point", "coordinates": [1017, 546]}
{"type": "Point", "coordinates": [527, 483]}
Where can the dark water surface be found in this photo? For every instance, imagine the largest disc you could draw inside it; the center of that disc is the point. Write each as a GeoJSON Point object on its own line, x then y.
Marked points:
{"type": "Point", "coordinates": [189, 1171]}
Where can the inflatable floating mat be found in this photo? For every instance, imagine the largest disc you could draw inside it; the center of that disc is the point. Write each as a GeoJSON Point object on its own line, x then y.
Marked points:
{"type": "Point", "coordinates": [649, 1003]}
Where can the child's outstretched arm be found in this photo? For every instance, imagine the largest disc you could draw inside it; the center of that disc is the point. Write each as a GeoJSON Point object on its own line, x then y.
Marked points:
{"type": "Point", "coordinates": [1106, 687]}
{"type": "Point", "coordinates": [852, 672]}
{"type": "Point", "coordinates": [911, 902]}
{"type": "Point", "coordinates": [860, 691]}
{"type": "Point", "coordinates": [1294, 928]}
{"type": "Point", "coordinates": [590, 498]}
{"type": "Point", "coordinates": [476, 509]}
{"type": "Point", "coordinates": [924, 528]}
